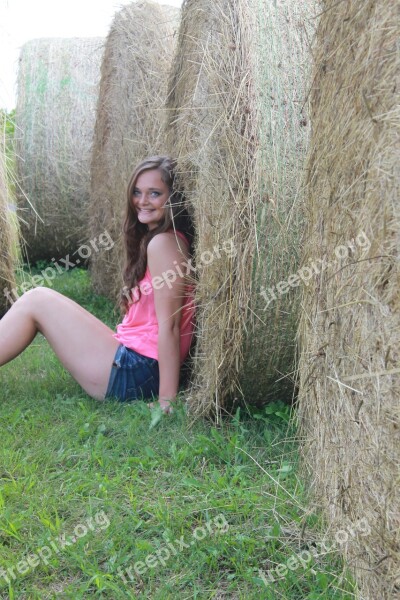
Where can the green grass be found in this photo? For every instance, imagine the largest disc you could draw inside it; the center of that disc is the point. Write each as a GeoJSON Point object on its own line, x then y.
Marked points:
{"type": "Point", "coordinates": [65, 459]}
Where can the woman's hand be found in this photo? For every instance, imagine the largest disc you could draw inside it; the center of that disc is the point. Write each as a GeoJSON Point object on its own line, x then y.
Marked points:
{"type": "Point", "coordinates": [165, 405]}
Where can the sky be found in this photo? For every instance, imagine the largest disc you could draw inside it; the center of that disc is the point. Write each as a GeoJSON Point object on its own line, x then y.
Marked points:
{"type": "Point", "coordinates": [24, 20]}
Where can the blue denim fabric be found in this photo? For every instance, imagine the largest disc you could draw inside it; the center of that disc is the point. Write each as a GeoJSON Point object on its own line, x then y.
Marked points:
{"type": "Point", "coordinates": [133, 376]}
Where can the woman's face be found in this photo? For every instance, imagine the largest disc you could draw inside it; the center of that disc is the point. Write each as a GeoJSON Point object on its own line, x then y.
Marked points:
{"type": "Point", "coordinates": [149, 197]}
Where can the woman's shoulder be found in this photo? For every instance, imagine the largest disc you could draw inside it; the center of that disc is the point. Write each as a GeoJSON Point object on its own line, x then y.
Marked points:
{"type": "Point", "coordinates": [167, 239]}
{"type": "Point", "coordinates": [164, 250]}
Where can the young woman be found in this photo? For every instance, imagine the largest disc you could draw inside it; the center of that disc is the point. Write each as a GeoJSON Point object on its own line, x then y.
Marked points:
{"type": "Point", "coordinates": [143, 357]}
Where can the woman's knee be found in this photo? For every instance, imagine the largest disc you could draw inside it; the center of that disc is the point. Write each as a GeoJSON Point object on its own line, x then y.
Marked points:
{"type": "Point", "coordinates": [41, 303]}
{"type": "Point", "coordinates": [37, 294]}
{"type": "Point", "coordinates": [37, 300]}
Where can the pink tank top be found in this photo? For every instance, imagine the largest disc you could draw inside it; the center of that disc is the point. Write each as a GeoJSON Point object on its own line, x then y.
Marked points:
{"type": "Point", "coordinates": [139, 328]}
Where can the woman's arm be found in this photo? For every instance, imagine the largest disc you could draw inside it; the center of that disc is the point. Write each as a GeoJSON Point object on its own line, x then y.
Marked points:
{"type": "Point", "coordinates": [169, 289]}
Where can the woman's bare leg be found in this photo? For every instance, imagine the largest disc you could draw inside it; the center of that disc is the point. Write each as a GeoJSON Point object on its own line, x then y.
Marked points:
{"type": "Point", "coordinates": [83, 343]}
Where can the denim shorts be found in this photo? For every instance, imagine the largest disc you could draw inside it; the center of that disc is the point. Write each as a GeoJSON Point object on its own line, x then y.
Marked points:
{"type": "Point", "coordinates": [133, 376]}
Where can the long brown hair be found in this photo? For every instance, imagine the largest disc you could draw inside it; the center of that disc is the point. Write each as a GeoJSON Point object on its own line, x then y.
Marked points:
{"type": "Point", "coordinates": [137, 235]}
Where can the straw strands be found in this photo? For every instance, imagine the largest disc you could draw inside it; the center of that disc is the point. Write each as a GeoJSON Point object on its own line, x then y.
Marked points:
{"type": "Point", "coordinates": [227, 116]}
{"type": "Point", "coordinates": [212, 133]}
{"type": "Point", "coordinates": [130, 122]}
{"type": "Point", "coordinates": [57, 94]}
{"type": "Point", "coordinates": [285, 31]}
{"type": "Point", "coordinates": [350, 329]}
{"type": "Point", "coordinates": [7, 258]}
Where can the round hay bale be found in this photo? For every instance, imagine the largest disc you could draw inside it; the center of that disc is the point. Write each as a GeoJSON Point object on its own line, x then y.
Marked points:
{"type": "Point", "coordinates": [350, 327]}
{"type": "Point", "coordinates": [55, 115]}
{"type": "Point", "coordinates": [130, 122]}
{"type": "Point", "coordinates": [237, 128]}
{"type": "Point", "coordinates": [7, 253]}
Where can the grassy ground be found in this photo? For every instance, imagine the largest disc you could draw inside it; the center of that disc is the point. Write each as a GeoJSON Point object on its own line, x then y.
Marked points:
{"type": "Point", "coordinates": [101, 500]}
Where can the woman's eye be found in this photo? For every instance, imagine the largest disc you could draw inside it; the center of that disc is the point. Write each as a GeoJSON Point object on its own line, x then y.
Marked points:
{"type": "Point", "coordinates": [156, 194]}
{"type": "Point", "coordinates": [136, 193]}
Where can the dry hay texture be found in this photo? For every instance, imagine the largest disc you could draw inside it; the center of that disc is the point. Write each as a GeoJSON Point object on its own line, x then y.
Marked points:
{"type": "Point", "coordinates": [350, 329]}
{"type": "Point", "coordinates": [7, 259]}
{"type": "Point", "coordinates": [57, 94]}
{"type": "Point", "coordinates": [130, 122]}
{"type": "Point", "coordinates": [238, 127]}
